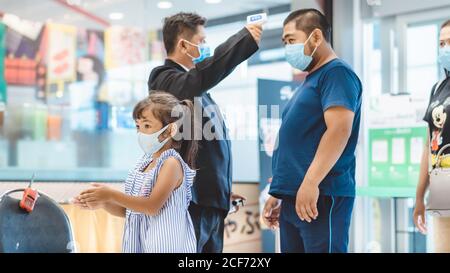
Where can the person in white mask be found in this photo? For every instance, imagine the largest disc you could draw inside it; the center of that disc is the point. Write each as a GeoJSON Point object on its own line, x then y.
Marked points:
{"type": "Point", "coordinates": [439, 136]}
{"type": "Point", "coordinates": [158, 190]}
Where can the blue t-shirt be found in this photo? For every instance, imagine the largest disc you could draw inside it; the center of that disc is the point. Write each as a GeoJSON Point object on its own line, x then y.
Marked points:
{"type": "Point", "coordinates": [303, 125]}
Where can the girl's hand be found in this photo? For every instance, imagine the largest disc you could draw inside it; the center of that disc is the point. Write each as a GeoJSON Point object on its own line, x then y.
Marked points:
{"type": "Point", "coordinates": [87, 206]}
{"type": "Point", "coordinates": [77, 202]}
{"type": "Point", "coordinates": [100, 194]}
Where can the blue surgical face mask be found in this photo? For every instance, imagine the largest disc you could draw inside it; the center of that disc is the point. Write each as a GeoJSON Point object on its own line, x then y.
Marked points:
{"type": "Point", "coordinates": [295, 55]}
{"type": "Point", "coordinates": [444, 57]}
{"type": "Point", "coordinates": [204, 52]}
{"type": "Point", "coordinates": [150, 143]}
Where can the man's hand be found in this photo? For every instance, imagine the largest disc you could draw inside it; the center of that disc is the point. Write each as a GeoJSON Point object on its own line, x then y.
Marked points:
{"type": "Point", "coordinates": [256, 31]}
{"type": "Point", "coordinates": [271, 212]}
{"type": "Point", "coordinates": [306, 202]}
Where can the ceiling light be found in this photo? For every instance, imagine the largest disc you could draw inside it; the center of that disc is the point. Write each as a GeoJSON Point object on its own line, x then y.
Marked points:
{"type": "Point", "coordinates": [165, 4]}
{"type": "Point", "coordinates": [213, 1]}
{"type": "Point", "coordinates": [115, 15]}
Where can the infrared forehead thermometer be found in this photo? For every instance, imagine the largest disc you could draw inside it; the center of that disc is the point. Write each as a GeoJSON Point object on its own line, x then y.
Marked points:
{"type": "Point", "coordinates": [259, 18]}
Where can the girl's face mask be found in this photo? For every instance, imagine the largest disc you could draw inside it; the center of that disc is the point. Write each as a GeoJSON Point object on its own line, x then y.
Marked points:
{"type": "Point", "coordinates": [149, 143]}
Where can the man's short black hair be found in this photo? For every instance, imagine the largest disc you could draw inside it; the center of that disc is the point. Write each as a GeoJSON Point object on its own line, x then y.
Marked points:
{"type": "Point", "coordinates": [307, 20]}
{"type": "Point", "coordinates": [446, 24]}
{"type": "Point", "coordinates": [182, 23]}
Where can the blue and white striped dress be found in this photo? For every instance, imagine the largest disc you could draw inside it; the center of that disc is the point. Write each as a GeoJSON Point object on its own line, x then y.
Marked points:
{"type": "Point", "coordinates": [171, 231]}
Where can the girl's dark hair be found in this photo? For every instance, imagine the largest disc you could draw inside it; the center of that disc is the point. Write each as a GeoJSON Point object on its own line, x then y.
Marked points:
{"type": "Point", "coordinates": [446, 24]}
{"type": "Point", "coordinates": [168, 109]}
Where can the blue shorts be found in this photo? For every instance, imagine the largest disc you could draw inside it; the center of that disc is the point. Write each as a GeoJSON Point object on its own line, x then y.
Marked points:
{"type": "Point", "coordinates": [329, 233]}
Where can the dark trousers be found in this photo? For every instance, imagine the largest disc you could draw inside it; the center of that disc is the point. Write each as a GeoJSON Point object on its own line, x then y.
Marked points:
{"type": "Point", "coordinates": [329, 233]}
{"type": "Point", "coordinates": [209, 227]}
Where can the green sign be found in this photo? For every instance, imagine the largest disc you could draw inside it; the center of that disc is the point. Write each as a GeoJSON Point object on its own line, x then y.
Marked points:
{"type": "Point", "coordinates": [394, 156]}
{"type": "Point", "coordinates": [2, 63]}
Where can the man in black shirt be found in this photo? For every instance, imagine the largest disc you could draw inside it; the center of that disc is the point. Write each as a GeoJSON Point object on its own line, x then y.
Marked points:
{"type": "Point", "coordinates": [188, 73]}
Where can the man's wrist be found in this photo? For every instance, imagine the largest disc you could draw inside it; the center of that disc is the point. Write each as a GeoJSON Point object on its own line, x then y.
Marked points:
{"type": "Point", "coordinates": [311, 182]}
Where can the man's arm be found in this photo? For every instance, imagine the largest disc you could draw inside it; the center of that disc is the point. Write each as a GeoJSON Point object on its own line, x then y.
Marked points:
{"type": "Point", "coordinates": [339, 122]}
{"type": "Point", "coordinates": [207, 74]}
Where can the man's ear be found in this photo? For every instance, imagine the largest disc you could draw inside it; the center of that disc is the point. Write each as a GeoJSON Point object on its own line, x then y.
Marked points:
{"type": "Point", "coordinates": [317, 37]}
{"type": "Point", "coordinates": [173, 130]}
{"type": "Point", "coordinates": [182, 46]}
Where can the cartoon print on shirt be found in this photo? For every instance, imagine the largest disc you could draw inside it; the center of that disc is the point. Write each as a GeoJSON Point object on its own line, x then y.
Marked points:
{"type": "Point", "coordinates": [439, 117]}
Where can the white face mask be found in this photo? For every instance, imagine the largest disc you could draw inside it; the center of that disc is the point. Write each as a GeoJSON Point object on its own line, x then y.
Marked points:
{"type": "Point", "coordinates": [149, 143]}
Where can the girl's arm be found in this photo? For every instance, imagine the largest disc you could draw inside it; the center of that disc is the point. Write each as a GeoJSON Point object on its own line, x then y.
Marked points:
{"type": "Point", "coordinates": [111, 208]}
{"type": "Point", "coordinates": [114, 209]}
{"type": "Point", "coordinates": [169, 178]}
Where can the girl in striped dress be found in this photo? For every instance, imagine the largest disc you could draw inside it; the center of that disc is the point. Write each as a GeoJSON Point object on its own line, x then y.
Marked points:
{"type": "Point", "coordinates": [158, 190]}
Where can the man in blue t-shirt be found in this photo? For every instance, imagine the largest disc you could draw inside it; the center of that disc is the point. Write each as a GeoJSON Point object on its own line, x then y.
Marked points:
{"type": "Point", "coordinates": [314, 164]}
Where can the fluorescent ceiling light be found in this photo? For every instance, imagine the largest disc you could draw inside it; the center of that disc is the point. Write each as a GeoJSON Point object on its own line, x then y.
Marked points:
{"type": "Point", "coordinates": [165, 4]}
{"type": "Point", "coordinates": [115, 15]}
{"type": "Point", "coordinates": [213, 1]}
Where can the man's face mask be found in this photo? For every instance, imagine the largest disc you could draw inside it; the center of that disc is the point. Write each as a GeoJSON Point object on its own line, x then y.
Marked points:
{"type": "Point", "coordinates": [204, 52]}
{"type": "Point", "coordinates": [295, 55]}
